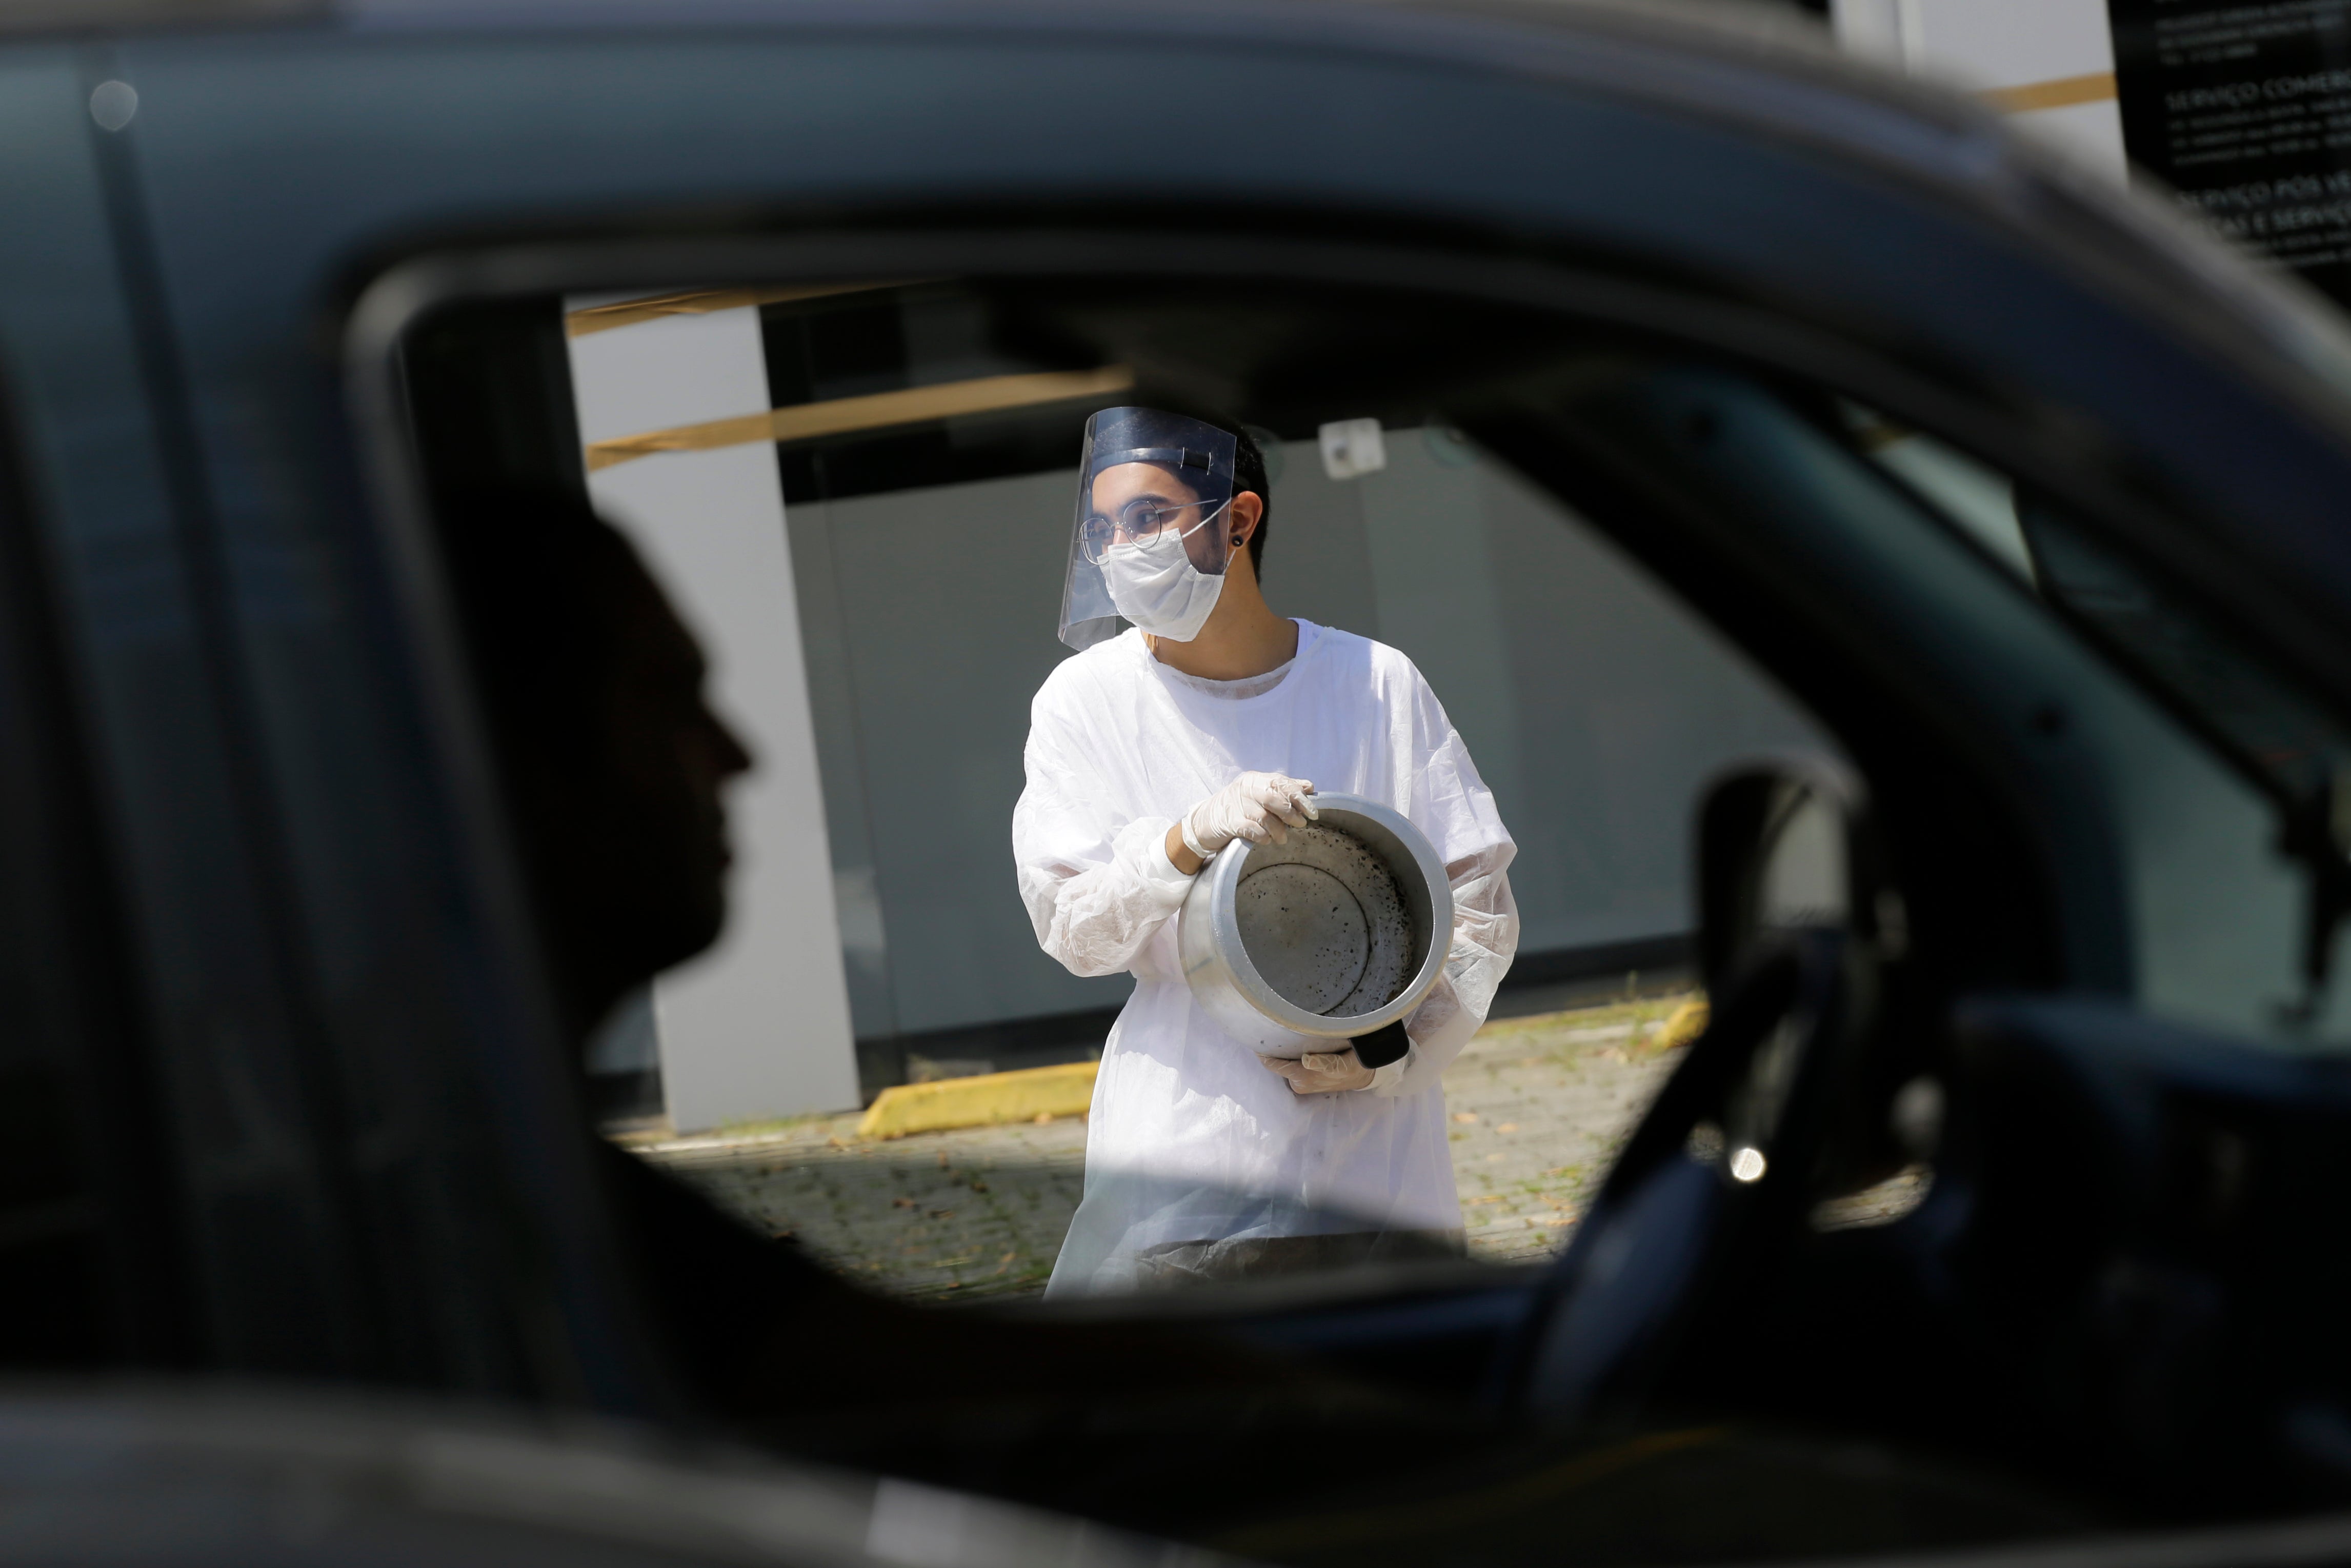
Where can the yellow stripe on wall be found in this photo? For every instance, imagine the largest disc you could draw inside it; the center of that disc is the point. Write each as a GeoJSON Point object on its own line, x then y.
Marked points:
{"type": "Point", "coordinates": [987, 394]}
{"type": "Point", "coordinates": [2063, 92]}
{"type": "Point", "coordinates": [703, 301]}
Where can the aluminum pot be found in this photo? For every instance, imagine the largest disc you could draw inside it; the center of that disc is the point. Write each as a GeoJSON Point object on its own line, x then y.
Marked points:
{"type": "Point", "coordinates": [1340, 931]}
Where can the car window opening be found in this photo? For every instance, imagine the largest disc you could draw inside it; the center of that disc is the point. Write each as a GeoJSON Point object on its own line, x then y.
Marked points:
{"type": "Point", "coordinates": [838, 521]}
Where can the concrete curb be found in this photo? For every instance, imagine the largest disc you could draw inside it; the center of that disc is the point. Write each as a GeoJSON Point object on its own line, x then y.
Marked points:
{"type": "Point", "coordinates": [984, 1100]}
{"type": "Point", "coordinates": [1686, 1022]}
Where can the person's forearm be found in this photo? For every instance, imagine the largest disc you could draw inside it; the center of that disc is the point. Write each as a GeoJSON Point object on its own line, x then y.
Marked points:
{"type": "Point", "coordinates": [1179, 853]}
{"type": "Point", "coordinates": [1095, 918]}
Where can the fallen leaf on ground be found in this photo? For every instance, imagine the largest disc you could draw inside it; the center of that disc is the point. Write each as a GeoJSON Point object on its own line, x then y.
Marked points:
{"type": "Point", "coordinates": [901, 1203]}
{"type": "Point", "coordinates": [1465, 1118]}
{"type": "Point", "coordinates": [1508, 1127]}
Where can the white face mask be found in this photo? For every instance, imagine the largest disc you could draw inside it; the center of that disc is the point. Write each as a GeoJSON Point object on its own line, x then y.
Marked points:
{"type": "Point", "coordinates": [1155, 584]}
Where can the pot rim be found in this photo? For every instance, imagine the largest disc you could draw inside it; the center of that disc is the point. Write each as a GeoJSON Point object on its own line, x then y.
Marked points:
{"type": "Point", "coordinates": [1240, 974]}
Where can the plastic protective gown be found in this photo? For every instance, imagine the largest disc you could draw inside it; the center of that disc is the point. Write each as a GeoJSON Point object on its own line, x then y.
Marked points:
{"type": "Point", "coordinates": [1195, 1152]}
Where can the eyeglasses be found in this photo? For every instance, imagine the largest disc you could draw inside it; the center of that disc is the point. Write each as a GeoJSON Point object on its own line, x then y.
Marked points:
{"type": "Point", "coordinates": [1139, 520]}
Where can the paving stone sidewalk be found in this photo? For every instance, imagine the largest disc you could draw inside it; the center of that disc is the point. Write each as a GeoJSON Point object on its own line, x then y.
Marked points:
{"type": "Point", "coordinates": [1538, 1107]}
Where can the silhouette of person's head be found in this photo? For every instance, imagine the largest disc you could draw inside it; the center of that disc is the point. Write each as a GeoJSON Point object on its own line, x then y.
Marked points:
{"type": "Point", "coordinates": [612, 762]}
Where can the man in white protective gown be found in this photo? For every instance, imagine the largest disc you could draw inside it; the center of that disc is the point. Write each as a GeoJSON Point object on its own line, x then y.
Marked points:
{"type": "Point", "coordinates": [1150, 751]}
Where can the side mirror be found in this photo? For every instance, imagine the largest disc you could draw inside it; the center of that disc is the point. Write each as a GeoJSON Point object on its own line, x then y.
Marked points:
{"type": "Point", "coordinates": [1726, 1164]}
{"type": "Point", "coordinates": [1785, 843]}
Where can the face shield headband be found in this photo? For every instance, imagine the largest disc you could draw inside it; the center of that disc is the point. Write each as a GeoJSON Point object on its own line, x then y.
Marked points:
{"type": "Point", "coordinates": [1150, 546]}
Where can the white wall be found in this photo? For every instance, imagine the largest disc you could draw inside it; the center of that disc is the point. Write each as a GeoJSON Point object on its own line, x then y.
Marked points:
{"type": "Point", "coordinates": [1596, 705]}
{"type": "Point", "coordinates": [1988, 45]}
{"type": "Point", "coordinates": [759, 1026]}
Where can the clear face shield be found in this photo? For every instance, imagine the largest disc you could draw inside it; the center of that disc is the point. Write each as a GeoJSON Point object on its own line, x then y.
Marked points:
{"type": "Point", "coordinates": [1153, 531]}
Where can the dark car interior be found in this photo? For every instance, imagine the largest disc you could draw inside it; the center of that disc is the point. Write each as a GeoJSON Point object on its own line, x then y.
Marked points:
{"type": "Point", "coordinates": [351, 743]}
{"type": "Point", "coordinates": [2119, 1281]}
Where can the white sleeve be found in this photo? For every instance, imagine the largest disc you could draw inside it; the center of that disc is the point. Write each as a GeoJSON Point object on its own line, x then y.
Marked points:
{"type": "Point", "coordinates": [1452, 801]}
{"type": "Point", "coordinates": [1485, 938]}
{"type": "Point", "coordinates": [1097, 887]}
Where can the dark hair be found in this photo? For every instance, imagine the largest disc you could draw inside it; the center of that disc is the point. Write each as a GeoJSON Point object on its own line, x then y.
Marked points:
{"type": "Point", "coordinates": [1248, 474]}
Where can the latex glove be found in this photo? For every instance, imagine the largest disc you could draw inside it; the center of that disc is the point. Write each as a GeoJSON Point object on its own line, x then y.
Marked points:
{"type": "Point", "coordinates": [1330, 1072]}
{"type": "Point", "coordinates": [1255, 806]}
